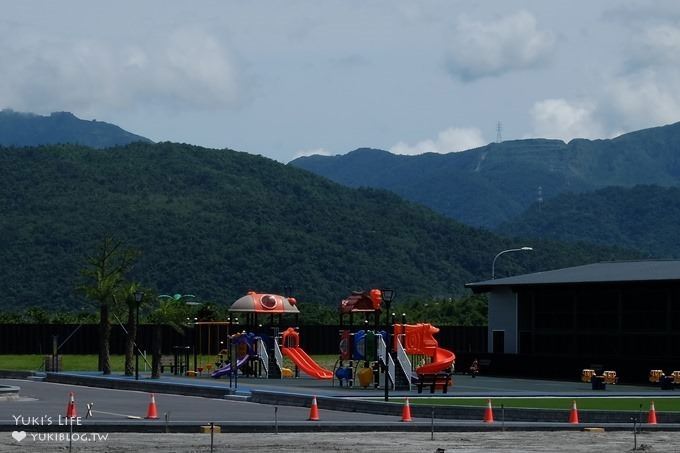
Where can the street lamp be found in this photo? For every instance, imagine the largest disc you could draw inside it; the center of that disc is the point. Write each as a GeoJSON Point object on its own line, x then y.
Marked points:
{"type": "Point", "coordinates": [139, 295]}
{"type": "Point", "coordinates": [493, 264]}
{"type": "Point", "coordinates": [387, 296]}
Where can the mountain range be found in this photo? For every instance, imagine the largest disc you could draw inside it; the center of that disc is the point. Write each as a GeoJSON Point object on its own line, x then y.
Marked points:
{"type": "Point", "coordinates": [217, 223]}
{"type": "Point", "coordinates": [28, 129]}
{"type": "Point", "coordinates": [494, 184]}
{"type": "Point", "coordinates": [642, 218]}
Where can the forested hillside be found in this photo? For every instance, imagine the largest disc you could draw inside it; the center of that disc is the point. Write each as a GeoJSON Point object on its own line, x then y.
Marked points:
{"type": "Point", "coordinates": [28, 129]}
{"type": "Point", "coordinates": [217, 223]}
{"type": "Point", "coordinates": [643, 218]}
{"type": "Point", "coordinates": [493, 184]}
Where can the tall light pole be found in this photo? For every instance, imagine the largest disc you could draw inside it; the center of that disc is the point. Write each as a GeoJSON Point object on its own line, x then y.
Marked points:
{"type": "Point", "coordinates": [139, 295]}
{"type": "Point", "coordinates": [387, 296]}
{"type": "Point", "coordinates": [493, 264]}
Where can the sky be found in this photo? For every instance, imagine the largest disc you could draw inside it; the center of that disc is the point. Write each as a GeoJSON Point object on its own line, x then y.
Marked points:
{"type": "Point", "coordinates": [289, 78]}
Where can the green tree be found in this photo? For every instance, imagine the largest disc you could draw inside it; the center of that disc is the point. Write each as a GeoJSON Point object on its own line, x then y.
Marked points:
{"type": "Point", "coordinates": [172, 311]}
{"type": "Point", "coordinates": [104, 277]}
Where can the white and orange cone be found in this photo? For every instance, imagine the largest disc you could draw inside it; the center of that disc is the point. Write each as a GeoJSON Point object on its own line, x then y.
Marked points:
{"type": "Point", "coordinates": [406, 412]}
{"type": "Point", "coordinates": [488, 413]}
{"type": "Point", "coordinates": [573, 414]}
{"type": "Point", "coordinates": [152, 411]}
{"type": "Point", "coordinates": [71, 407]}
{"type": "Point", "coordinates": [314, 411]}
{"type": "Point", "coordinates": [651, 417]}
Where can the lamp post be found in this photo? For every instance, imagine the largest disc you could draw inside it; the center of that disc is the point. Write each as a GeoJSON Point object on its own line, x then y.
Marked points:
{"type": "Point", "coordinates": [387, 296]}
{"type": "Point", "coordinates": [139, 295]}
{"type": "Point", "coordinates": [493, 264]}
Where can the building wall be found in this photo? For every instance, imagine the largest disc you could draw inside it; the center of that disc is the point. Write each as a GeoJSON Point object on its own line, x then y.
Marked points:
{"type": "Point", "coordinates": [601, 321]}
{"type": "Point", "coordinates": [503, 317]}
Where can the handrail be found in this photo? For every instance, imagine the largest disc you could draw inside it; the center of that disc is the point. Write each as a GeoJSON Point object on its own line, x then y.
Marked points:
{"type": "Point", "coordinates": [404, 361]}
{"type": "Point", "coordinates": [382, 352]}
{"type": "Point", "coordinates": [278, 356]}
{"type": "Point", "coordinates": [264, 355]}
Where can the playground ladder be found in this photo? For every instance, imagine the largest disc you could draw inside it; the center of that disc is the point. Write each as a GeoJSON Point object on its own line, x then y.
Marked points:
{"type": "Point", "coordinates": [382, 352]}
{"type": "Point", "coordinates": [278, 356]}
{"type": "Point", "coordinates": [404, 361]}
{"type": "Point", "coordinates": [264, 356]}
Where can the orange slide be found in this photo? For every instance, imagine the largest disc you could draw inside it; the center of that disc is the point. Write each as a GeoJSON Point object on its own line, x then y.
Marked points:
{"type": "Point", "coordinates": [419, 339]}
{"type": "Point", "coordinates": [290, 347]}
{"type": "Point", "coordinates": [443, 359]}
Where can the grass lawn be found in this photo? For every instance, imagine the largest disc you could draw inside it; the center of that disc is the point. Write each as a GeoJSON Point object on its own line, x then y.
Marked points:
{"type": "Point", "coordinates": [665, 404]}
{"type": "Point", "coordinates": [34, 362]}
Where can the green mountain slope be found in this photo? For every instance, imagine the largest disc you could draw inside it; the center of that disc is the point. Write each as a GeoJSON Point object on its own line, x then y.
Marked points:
{"type": "Point", "coordinates": [490, 185]}
{"type": "Point", "coordinates": [27, 129]}
{"type": "Point", "coordinates": [217, 223]}
{"type": "Point", "coordinates": [642, 218]}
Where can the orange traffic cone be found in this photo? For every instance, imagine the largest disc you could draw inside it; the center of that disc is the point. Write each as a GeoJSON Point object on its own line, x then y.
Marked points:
{"type": "Point", "coordinates": [152, 411]}
{"type": "Point", "coordinates": [488, 414]}
{"type": "Point", "coordinates": [406, 412]}
{"type": "Point", "coordinates": [573, 415]}
{"type": "Point", "coordinates": [651, 417]}
{"type": "Point", "coordinates": [314, 411]}
{"type": "Point", "coordinates": [71, 407]}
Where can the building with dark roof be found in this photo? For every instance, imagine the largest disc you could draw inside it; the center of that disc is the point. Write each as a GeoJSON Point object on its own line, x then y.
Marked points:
{"type": "Point", "coordinates": [618, 314]}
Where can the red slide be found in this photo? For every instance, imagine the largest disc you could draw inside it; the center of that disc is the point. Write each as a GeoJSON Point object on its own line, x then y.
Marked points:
{"type": "Point", "coordinates": [306, 363]}
{"type": "Point", "coordinates": [419, 339]}
{"type": "Point", "coordinates": [443, 359]}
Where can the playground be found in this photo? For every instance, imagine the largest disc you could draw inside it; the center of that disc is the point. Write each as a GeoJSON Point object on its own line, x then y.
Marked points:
{"type": "Point", "coordinates": [259, 356]}
{"type": "Point", "coordinates": [373, 353]}
{"type": "Point", "coordinates": [259, 349]}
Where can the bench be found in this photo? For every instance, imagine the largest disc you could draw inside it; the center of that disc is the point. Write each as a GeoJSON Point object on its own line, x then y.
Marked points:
{"type": "Point", "coordinates": [676, 377]}
{"type": "Point", "coordinates": [434, 380]}
{"type": "Point", "coordinates": [169, 362]}
{"type": "Point", "coordinates": [610, 377]}
{"type": "Point", "coordinates": [655, 376]}
{"type": "Point", "coordinates": [587, 374]}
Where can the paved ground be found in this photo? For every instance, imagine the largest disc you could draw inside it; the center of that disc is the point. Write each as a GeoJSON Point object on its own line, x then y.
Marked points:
{"type": "Point", "coordinates": [48, 400]}
{"type": "Point", "coordinates": [464, 385]}
{"type": "Point", "coordinates": [375, 442]}
{"type": "Point", "coordinates": [41, 399]}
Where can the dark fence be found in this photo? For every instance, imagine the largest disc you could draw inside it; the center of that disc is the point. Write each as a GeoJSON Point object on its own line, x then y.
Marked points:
{"type": "Point", "coordinates": [84, 339]}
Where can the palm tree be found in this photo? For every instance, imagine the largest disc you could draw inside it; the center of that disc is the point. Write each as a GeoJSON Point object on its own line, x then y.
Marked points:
{"type": "Point", "coordinates": [172, 311]}
{"type": "Point", "coordinates": [105, 275]}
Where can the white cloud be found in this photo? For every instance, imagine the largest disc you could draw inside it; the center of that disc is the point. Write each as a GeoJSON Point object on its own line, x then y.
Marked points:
{"type": "Point", "coordinates": [644, 100]}
{"type": "Point", "coordinates": [484, 49]}
{"type": "Point", "coordinates": [656, 45]}
{"type": "Point", "coordinates": [449, 140]}
{"type": "Point", "coordinates": [188, 69]}
{"type": "Point", "coordinates": [559, 118]}
{"type": "Point", "coordinates": [644, 92]}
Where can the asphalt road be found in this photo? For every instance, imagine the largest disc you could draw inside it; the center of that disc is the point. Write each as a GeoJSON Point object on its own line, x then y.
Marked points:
{"type": "Point", "coordinates": [42, 399]}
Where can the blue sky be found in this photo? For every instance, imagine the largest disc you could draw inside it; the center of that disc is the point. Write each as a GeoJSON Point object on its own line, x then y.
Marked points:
{"type": "Point", "coordinates": [284, 79]}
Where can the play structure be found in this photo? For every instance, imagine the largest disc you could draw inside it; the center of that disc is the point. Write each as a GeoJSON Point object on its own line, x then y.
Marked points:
{"type": "Point", "coordinates": [263, 344]}
{"type": "Point", "coordinates": [429, 364]}
{"type": "Point", "coordinates": [358, 362]}
{"type": "Point", "coordinates": [415, 357]}
{"type": "Point", "coordinates": [241, 354]}
{"type": "Point", "coordinates": [260, 348]}
{"type": "Point", "coordinates": [290, 347]}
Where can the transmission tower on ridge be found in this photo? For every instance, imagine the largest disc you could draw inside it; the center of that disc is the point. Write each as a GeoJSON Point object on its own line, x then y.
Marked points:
{"type": "Point", "coordinates": [499, 130]}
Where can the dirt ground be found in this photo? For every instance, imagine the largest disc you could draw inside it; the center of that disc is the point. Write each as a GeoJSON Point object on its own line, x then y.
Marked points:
{"type": "Point", "coordinates": [559, 441]}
